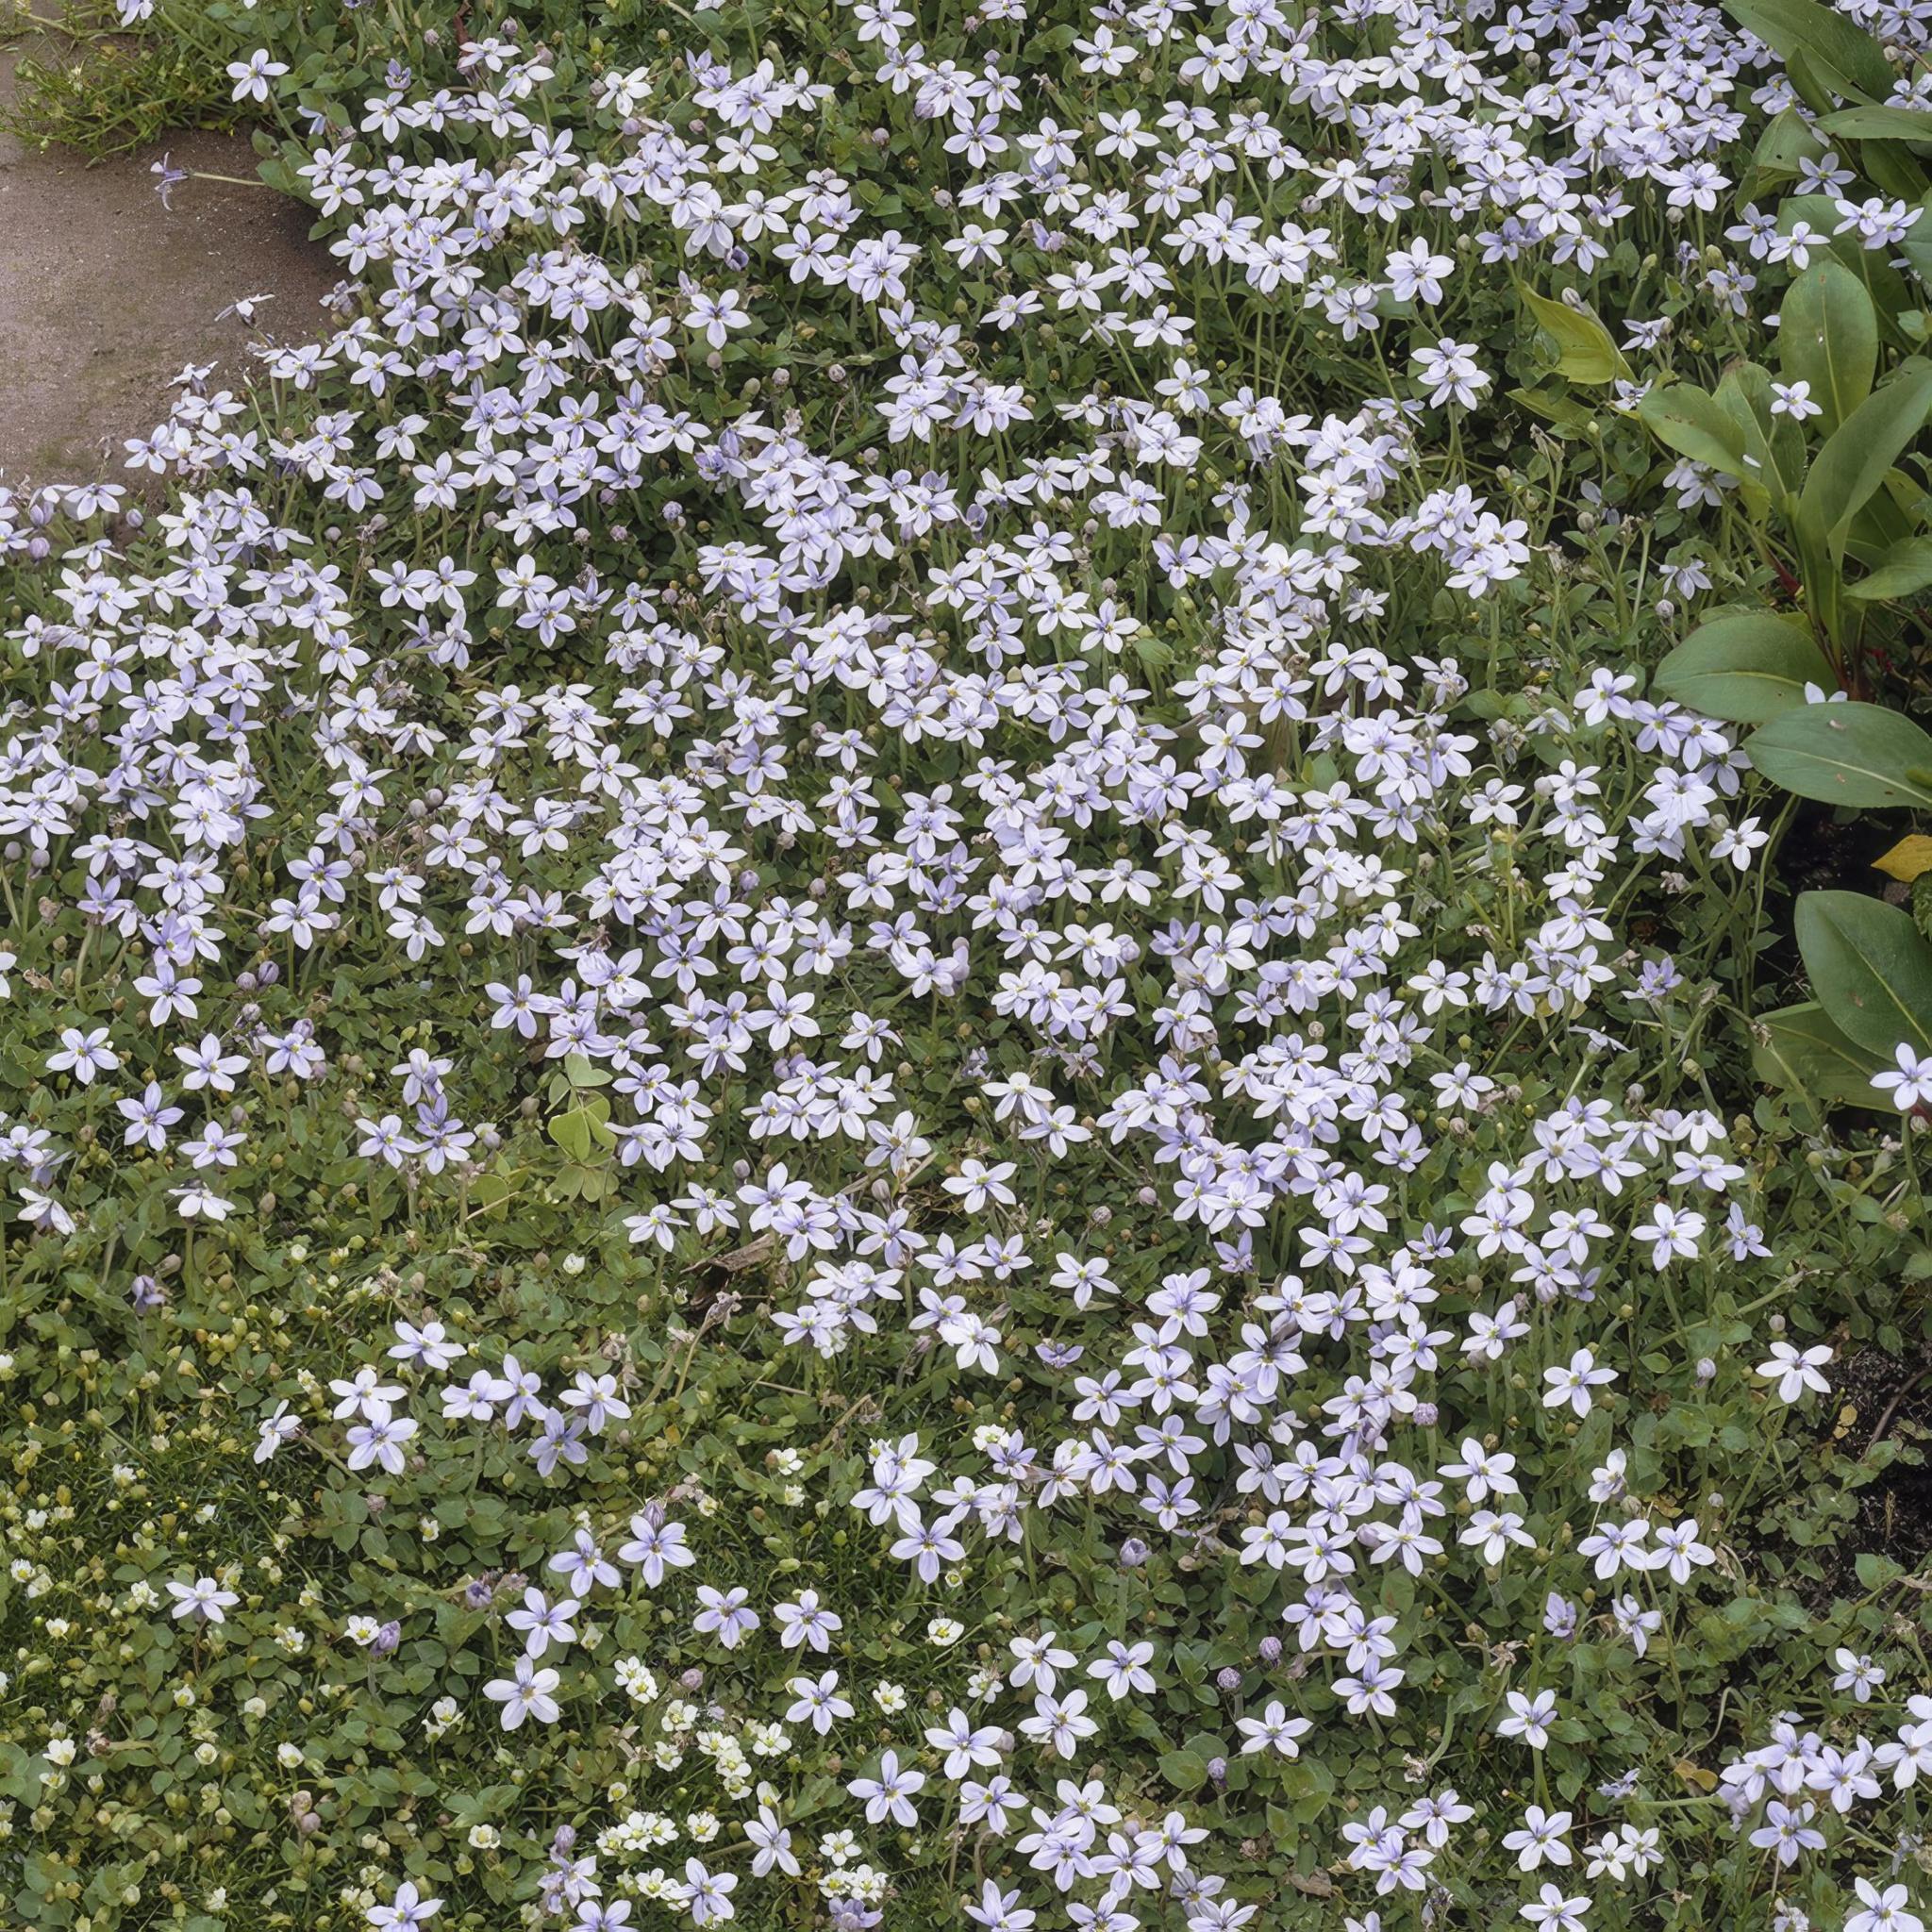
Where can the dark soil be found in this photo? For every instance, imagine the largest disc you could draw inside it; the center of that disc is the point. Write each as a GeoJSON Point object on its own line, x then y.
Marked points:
{"type": "Point", "coordinates": [1822, 853]}
{"type": "Point", "coordinates": [1893, 1404]}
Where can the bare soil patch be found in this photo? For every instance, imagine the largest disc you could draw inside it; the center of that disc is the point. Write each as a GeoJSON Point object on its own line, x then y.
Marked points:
{"type": "Point", "coordinates": [105, 294]}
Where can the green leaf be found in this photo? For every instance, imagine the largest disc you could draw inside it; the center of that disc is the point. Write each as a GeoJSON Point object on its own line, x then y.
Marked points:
{"type": "Point", "coordinates": [1774, 445]}
{"type": "Point", "coordinates": [1875, 1571]}
{"type": "Point", "coordinates": [1844, 56]}
{"type": "Point", "coordinates": [1870, 969]}
{"type": "Point", "coordinates": [1554, 405]}
{"type": "Point", "coordinates": [1184, 1770]}
{"type": "Point", "coordinates": [1850, 468]}
{"type": "Point", "coordinates": [574, 1133]}
{"type": "Point", "coordinates": [1744, 666]}
{"type": "Point", "coordinates": [1055, 40]}
{"type": "Point", "coordinates": [1691, 422]}
{"type": "Point", "coordinates": [1587, 351]}
{"type": "Point", "coordinates": [1905, 568]}
{"type": "Point", "coordinates": [1879, 124]}
{"type": "Point", "coordinates": [1894, 166]}
{"type": "Point", "coordinates": [1827, 336]}
{"type": "Point", "coordinates": [1785, 142]}
{"type": "Point", "coordinates": [1845, 754]}
{"type": "Point", "coordinates": [1883, 283]}
{"type": "Point", "coordinates": [1807, 1053]}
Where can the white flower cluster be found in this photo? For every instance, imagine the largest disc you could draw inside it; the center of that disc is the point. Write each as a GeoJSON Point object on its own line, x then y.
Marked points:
{"type": "Point", "coordinates": [1104, 768]}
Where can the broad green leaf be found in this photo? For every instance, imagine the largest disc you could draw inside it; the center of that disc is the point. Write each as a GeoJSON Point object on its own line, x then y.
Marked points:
{"type": "Point", "coordinates": [1774, 445]}
{"type": "Point", "coordinates": [1691, 422]}
{"type": "Point", "coordinates": [1842, 54]}
{"type": "Point", "coordinates": [1886, 522]}
{"type": "Point", "coordinates": [1893, 166]}
{"type": "Point", "coordinates": [1917, 245]}
{"type": "Point", "coordinates": [1879, 124]}
{"type": "Point", "coordinates": [1827, 337]}
{"type": "Point", "coordinates": [1883, 283]}
{"type": "Point", "coordinates": [1850, 468]}
{"type": "Point", "coordinates": [1785, 142]}
{"type": "Point", "coordinates": [1905, 568]}
{"type": "Point", "coordinates": [1869, 967]}
{"type": "Point", "coordinates": [1587, 351]}
{"type": "Point", "coordinates": [1845, 754]}
{"type": "Point", "coordinates": [1744, 666]}
{"type": "Point", "coordinates": [1808, 1052]}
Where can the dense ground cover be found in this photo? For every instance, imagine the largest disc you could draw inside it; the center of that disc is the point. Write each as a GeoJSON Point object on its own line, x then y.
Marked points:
{"type": "Point", "coordinates": [882, 1049]}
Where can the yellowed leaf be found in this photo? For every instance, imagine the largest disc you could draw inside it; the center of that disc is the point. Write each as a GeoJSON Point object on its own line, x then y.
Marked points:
{"type": "Point", "coordinates": [1908, 859]}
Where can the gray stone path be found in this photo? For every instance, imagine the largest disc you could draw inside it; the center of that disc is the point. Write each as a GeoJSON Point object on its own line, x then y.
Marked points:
{"type": "Point", "coordinates": [105, 294]}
